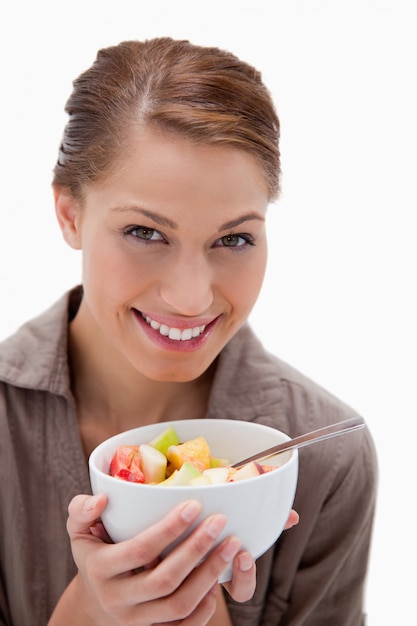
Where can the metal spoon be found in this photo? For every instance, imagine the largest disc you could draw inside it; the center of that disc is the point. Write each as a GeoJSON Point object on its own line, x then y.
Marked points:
{"type": "Point", "coordinates": [314, 436]}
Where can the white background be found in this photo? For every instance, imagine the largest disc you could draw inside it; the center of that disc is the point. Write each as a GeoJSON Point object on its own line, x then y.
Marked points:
{"type": "Point", "coordinates": [339, 301]}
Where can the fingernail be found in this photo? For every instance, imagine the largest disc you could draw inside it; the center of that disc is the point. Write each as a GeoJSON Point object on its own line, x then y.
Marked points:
{"type": "Point", "coordinates": [230, 549]}
{"type": "Point", "coordinates": [214, 525]}
{"type": "Point", "coordinates": [191, 510]}
{"type": "Point", "coordinates": [91, 503]}
{"type": "Point", "coordinates": [245, 562]}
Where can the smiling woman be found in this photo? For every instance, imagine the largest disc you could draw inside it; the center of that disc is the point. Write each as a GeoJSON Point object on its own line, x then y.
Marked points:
{"type": "Point", "coordinates": [168, 163]}
{"type": "Point", "coordinates": [180, 272]}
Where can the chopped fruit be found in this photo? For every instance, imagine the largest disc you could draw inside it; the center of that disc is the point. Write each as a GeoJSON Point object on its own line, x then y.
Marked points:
{"type": "Point", "coordinates": [248, 471]}
{"type": "Point", "coordinates": [125, 464]}
{"type": "Point", "coordinates": [170, 480]}
{"type": "Point", "coordinates": [188, 463]}
{"type": "Point", "coordinates": [183, 476]}
{"type": "Point", "coordinates": [153, 463]}
{"type": "Point", "coordinates": [167, 438]}
{"type": "Point", "coordinates": [195, 451]}
{"type": "Point", "coordinates": [200, 480]}
{"type": "Point", "coordinates": [218, 462]}
{"type": "Point", "coordinates": [217, 475]}
{"type": "Point", "coordinates": [266, 468]}
{"type": "Point", "coordinates": [125, 474]}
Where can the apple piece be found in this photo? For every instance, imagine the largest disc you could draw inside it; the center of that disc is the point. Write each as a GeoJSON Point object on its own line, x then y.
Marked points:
{"type": "Point", "coordinates": [153, 463]}
{"type": "Point", "coordinates": [182, 476]}
{"type": "Point", "coordinates": [201, 480]}
{"type": "Point", "coordinates": [217, 475]}
{"type": "Point", "coordinates": [269, 468]}
{"type": "Point", "coordinates": [247, 471]}
{"type": "Point", "coordinates": [167, 438]}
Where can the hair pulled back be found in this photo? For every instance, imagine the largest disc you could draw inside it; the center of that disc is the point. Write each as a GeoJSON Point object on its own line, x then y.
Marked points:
{"type": "Point", "coordinates": [202, 93]}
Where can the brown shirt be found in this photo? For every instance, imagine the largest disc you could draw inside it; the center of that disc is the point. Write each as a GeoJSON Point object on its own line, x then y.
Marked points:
{"type": "Point", "coordinates": [313, 576]}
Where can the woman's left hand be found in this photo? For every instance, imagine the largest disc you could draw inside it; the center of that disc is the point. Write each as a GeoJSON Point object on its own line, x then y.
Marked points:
{"type": "Point", "coordinates": [242, 586]}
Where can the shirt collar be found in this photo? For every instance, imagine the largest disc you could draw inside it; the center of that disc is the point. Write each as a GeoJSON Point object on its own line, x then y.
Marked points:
{"type": "Point", "coordinates": [36, 356]}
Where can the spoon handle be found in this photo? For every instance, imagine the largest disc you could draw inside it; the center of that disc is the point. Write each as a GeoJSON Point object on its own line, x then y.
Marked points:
{"type": "Point", "coordinates": [314, 436]}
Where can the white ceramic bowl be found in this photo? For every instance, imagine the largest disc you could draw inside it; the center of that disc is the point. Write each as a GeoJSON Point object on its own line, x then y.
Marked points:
{"type": "Point", "coordinates": [256, 508]}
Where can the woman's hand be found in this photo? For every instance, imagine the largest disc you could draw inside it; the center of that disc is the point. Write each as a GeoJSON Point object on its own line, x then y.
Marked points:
{"type": "Point", "coordinates": [292, 520]}
{"type": "Point", "coordinates": [128, 583]}
{"type": "Point", "coordinates": [242, 586]}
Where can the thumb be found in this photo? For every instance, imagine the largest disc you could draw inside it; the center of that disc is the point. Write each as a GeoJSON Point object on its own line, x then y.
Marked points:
{"type": "Point", "coordinates": [84, 513]}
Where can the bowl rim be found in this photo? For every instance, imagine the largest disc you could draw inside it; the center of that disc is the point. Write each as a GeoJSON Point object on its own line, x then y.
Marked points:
{"type": "Point", "coordinates": [292, 455]}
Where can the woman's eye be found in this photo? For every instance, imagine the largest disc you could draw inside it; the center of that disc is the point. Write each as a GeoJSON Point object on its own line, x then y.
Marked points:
{"type": "Point", "coordinates": [143, 232]}
{"type": "Point", "coordinates": [235, 240]}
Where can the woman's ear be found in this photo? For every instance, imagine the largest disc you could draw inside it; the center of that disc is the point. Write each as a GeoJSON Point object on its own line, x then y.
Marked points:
{"type": "Point", "coordinates": [68, 212]}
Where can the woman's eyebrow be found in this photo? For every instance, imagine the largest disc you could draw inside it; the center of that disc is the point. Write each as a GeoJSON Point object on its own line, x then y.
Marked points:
{"type": "Point", "coordinates": [165, 221]}
{"type": "Point", "coordinates": [159, 219]}
{"type": "Point", "coordinates": [243, 218]}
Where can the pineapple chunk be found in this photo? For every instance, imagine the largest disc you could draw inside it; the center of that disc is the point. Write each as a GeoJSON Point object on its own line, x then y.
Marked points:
{"type": "Point", "coordinates": [195, 451]}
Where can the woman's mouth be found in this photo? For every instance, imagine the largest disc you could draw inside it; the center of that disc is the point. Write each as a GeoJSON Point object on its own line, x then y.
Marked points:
{"type": "Point", "coordinates": [176, 334]}
{"type": "Point", "coordinates": [177, 338]}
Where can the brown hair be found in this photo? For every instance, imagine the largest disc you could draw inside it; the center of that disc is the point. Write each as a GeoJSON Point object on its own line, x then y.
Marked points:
{"type": "Point", "coordinates": [205, 94]}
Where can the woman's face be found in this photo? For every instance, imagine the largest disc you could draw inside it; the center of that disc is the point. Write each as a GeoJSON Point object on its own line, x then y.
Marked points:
{"type": "Point", "coordinates": [174, 253]}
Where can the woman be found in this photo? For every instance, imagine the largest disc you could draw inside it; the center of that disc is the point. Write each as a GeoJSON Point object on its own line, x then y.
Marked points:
{"type": "Point", "coordinates": [168, 163]}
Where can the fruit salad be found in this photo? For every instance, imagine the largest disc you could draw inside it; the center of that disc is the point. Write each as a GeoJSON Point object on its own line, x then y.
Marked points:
{"type": "Point", "coordinates": [166, 461]}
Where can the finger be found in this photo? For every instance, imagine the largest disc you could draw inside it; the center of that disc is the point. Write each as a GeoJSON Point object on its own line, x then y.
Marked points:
{"type": "Point", "coordinates": [201, 614]}
{"type": "Point", "coordinates": [98, 530]}
{"type": "Point", "coordinates": [243, 583]}
{"type": "Point", "coordinates": [186, 597]}
{"type": "Point", "coordinates": [181, 561]}
{"type": "Point", "coordinates": [168, 575]}
{"type": "Point", "coordinates": [84, 512]}
{"type": "Point", "coordinates": [146, 547]}
{"type": "Point", "coordinates": [292, 520]}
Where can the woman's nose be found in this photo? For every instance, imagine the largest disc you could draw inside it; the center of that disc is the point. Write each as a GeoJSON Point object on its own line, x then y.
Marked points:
{"type": "Point", "coordinates": [188, 285]}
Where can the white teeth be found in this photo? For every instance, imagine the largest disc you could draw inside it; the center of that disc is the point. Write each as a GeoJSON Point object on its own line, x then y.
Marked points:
{"type": "Point", "coordinates": [175, 333]}
{"type": "Point", "coordinates": [186, 334]}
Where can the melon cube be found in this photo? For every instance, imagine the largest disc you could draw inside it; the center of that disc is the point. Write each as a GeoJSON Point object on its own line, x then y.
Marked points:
{"type": "Point", "coordinates": [182, 476]}
{"type": "Point", "coordinates": [167, 438]}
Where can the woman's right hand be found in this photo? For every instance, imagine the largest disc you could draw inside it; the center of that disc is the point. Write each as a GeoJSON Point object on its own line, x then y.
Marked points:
{"type": "Point", "coordinates": [128, 583]}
